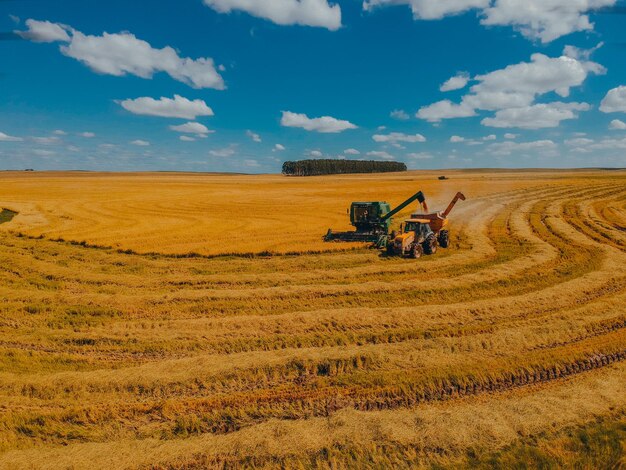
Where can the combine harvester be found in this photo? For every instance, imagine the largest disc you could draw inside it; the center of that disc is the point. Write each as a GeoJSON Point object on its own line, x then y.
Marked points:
{"type": "Point", "coordinates": [372, 221]}
{"type": "Point", "coordinates": [420, 234]}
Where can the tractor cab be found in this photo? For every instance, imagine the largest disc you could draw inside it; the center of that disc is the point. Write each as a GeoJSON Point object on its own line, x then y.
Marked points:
{"type": "Point", "coordinates": [367, 216]}
{"type": "Point", "coordinates": [420, 227]}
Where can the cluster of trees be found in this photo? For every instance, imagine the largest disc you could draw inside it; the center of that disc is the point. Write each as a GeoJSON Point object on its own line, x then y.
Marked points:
{"type": "Point", "coordinates": [333, 167]}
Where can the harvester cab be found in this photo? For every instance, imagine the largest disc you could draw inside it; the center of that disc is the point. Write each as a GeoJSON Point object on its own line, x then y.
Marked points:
{"type": "Point", "coordinates": [423, 232]}
{"type": "Point", "coordinates": [372, 221]}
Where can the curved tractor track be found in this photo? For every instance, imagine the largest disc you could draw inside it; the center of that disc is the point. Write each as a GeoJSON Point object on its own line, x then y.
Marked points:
{"type": "Point", "coordinates": [148, 361]}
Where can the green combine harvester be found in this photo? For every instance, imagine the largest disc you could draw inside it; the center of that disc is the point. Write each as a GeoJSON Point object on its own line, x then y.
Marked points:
{"type": "Point", "coordinates": [372, 221]}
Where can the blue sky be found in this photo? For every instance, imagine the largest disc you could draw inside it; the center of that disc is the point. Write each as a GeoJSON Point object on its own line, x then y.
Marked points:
{"type": "Point", "coordinates": [242, 85]}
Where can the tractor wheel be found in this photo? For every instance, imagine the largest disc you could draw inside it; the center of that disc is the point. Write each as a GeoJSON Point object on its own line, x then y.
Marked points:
{"type": "Point", "coordinates": [390, 251]}
{"type": "Point", "coordinates": [416, 251]}
{"type": "Point", "coordinates": [430, 245]}
{"type": "Point", "coordinates": [444, 239]}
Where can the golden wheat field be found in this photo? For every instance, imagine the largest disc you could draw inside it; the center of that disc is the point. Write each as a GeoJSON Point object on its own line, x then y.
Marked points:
{"type": "Point", "coordinates": [184, 321]}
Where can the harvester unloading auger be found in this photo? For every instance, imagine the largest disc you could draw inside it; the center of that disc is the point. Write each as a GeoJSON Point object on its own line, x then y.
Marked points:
{"type": "Point", "coordinates": [420, 234]}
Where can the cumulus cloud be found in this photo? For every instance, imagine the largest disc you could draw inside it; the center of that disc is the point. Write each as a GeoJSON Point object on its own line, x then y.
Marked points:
{"type": "Point", "coordinates": [396, 137]}
{"type": "Point", "coordinates": [455, 139]}
{"type": "Point", "coordinates": [223, 152]}
{"type": "Point", "coordinates": [285, 12]}
{"type": "Point", "coordinates": [445, 109]}
{"type": "Point", "coordinates": [544, 20]}
{"type": "Point", "coordinates": [192, 128]}
{"type": "Point", "coordinates": [511, 92]}
{"type": "Point", "coordinates": [509, 147]}
{"type": "Point", "coordinates": [179, 107]}
{"type": "Point", "coordinates": [510, 136]}
{"type": "Point", "coordinates": [456, 83]}
{"type": "Point", "coordinates": [46, 140]}
{"type": "Point", "coordinates": [87, 135]}
{"type": "Point", "coordinates": [490, 137]}
{"type": "Point", "coordinates": [254, 136]}
{"type": "Point", "coordinates": [429, 9]}
{"type": "Point", "coordinates": [616, 125]}
{"type": "Point", "coordinates": [399, 114]}
{"type": "Point", "coordinates": [9, 138]}
{"type": "Point", "coordinates": [537, 116]}
{"type": "Point", "coordinates": [614, 101]}
{"type": "Point", "coordinates": [419, 156]}
{"type": "Point", "coordinates": [578, 142]}
{"type": "Point", "coordinates": [351, 151]}
{"type": "Point", "coordinates": [324, 124]}
{"type": "Point", "coordinates": [59, 132]}
{"type": "Point", "coordinates": [186, 138]}
{"type": "Point", "coordinates": [279, 147]}
{"type": "Point", "coordinates": [381, 155]}
{"type": "Point", "coordinates": [44, 31]}
{"type": "Point", "coordinates": [315, 153]}
{"type": "Point", "coordinates": [122, 53]}
{"type": "Point", "coordinates": [141, 143]}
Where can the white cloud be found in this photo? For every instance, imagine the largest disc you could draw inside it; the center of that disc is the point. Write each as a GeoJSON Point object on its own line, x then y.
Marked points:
{"type": "Point", "coordinates": [519, 84]}
{"type": "Point", "coordinates": [510, 136]}
{"type": "Point", "coordinates": [609, 144]}
{"type": "Point", "coordinates": [251, 163]}
{"type": "Point", "coordinates": [186, 138]}
{"type": "Point", "coordinates": [140, 143]}
{"type": "Point", "coordinates": [192, 128]}
{"type": "Point", "coordinates": [614, 101]}
{"type": "Point", "coordinates": [578, 142]}
{"type": "Point", "coordinates": [395, 137]}
{"type": "Point", "coordinates": [223, 153]}
{"type": "Point", "coordinates": [511, 92]}
{"type": "Point", "coordinates": [430, 9]}
{"type": "Point", "coordinates": [46, 140]}
{"type": "Point", "coordinates": [445, 109]}
{"type": "Point", "coordinates": [380, 154]}
{"type": "Point", "coordinates": [315, 153]}
{"type": "Point", "coordinates": [456, 83]}
{"type": "Point", "coordinates": [537, 116]}
{"type": "Point", "coordinates": [59, 132]}
{"type": "Point", "coordinates": [254, 136]}
{"type": "Point", "coordinates": [399, 114]}
{"type": "Point", "coordinates": [455, 139]}
{"type": "Point", "coordinates": [44, 31]}
{"type": "Point", "coordinates": [351, 152]}
{"type": "Point", "coordinates": [490, 137]}
{"type": "Point", "coordinates": [43, 153]}
{"type": "Point", "coordinates": [419, 156]}
{"type": "Point", "coordinates": [508, 147]}
{"type": "Point", "coordinates": [285, 12]}
{"type": "Point", "coordinates": [324, 124]}
{"type": "Point", "coordinates": [87, 135]}
{"type": "Point", "coordinates": [279, 148]}
{"type": "Point", "coordinates": [580, 54]}
{"type": "Point", "coordinates": [179, 107]}
{"type": "Point", "coordinates": [545, 20]}
{"type": "Point", "coordinates": [122, 53]}
{"type": "Point", "coordinates": [9, 138]}
{"type": "Point", "coordinates": [616, 124]}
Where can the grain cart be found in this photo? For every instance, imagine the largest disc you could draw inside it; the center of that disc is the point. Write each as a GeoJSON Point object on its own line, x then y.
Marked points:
{"type": "Point", "coordinates": [422, 233]}
{"type": "Point", "coordinates": [372, 221]}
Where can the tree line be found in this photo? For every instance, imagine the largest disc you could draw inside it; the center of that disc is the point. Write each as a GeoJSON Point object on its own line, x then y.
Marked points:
{"type": "Point", "coordinates": [334, 167]}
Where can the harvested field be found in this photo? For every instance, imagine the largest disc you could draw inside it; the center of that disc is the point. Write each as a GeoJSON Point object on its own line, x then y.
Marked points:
{"type": "Point", "coordinates": [185, 321]}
